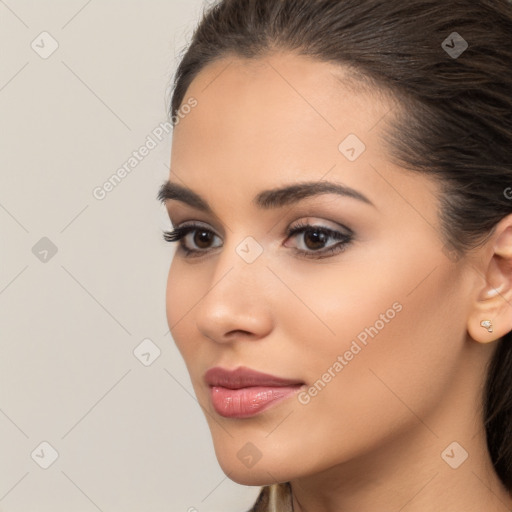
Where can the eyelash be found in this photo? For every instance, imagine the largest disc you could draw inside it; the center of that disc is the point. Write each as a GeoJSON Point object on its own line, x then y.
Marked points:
{"type": "Point", "coordinates": [178, 234]}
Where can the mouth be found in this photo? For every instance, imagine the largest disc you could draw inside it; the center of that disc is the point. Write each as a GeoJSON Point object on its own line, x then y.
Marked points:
{"type": "Point", "coordinates": [243, 392]}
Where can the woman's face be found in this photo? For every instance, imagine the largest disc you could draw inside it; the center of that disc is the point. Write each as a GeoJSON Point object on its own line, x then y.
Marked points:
{"type": "Point", "coordinates": [365, 311]}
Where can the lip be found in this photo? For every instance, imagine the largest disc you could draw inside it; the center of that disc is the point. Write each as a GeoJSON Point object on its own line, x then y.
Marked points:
{"type": "Point", "coordinates": [243, 392]}
{"type": "Point", "coordinates": [243, 377]}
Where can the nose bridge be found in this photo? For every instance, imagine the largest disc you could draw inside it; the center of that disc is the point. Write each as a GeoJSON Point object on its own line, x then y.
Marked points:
{"type": "Point", "coordinates": [236, 298]}
{"type": "Point", "coordinates": [240, 271]}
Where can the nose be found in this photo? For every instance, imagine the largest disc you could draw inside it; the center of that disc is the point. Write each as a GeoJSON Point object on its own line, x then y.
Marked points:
{"type": "Point", "coordinates": [237, 301]}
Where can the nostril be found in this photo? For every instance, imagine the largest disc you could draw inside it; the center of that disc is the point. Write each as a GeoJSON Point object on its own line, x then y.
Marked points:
{"type": "Point", "coordinates": [237, 332]}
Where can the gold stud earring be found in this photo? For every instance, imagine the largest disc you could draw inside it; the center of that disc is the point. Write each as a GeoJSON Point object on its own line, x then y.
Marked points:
{"type": "Point", "coordinates": [487, 324]}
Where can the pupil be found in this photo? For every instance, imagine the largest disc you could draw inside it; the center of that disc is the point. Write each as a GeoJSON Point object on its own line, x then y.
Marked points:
{"type": "Point", "coordinates": [318, 237]}
{"type": "Point", "coordinates": [202, 237]}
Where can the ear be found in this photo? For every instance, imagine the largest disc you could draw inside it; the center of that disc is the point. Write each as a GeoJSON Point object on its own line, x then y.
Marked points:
{"type": "Point", "coordinates": [493, 304]}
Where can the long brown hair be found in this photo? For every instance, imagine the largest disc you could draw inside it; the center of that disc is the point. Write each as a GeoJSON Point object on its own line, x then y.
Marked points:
{"type": "Point", "coordinates": [449, 64]}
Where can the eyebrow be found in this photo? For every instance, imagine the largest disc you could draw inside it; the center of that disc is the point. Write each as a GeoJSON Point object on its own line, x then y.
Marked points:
{"type": "Point", "coordinates": [267, 199]}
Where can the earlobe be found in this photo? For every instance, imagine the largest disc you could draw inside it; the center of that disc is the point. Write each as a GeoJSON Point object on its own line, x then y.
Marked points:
{"type": "Point", "coordinates": [482, 329]}
{"type": "Point", "coordinates": [482, 322]}
{"type": "Point", "coordinates": [491, 318]}
{"type": "Point", "coordinates": [487, 324]}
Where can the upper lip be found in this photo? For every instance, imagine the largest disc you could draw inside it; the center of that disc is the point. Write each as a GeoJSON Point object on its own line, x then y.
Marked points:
{"type": "Point", "coordinates": [243, 377]}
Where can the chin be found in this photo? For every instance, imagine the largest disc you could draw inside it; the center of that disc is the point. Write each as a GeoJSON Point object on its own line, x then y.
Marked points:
{"type": "Point", "coordinates": [262, 472]}
{"type": "Point", "coordinates": [251, 477]}
{"type": "Point", "coordinates": [248, 477]}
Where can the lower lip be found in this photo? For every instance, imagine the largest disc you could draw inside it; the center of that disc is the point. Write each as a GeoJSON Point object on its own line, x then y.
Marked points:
{"type": "Point", "coordinates": [247, 402]}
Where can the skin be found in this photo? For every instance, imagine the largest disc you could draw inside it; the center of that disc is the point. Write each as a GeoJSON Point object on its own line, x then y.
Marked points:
{"type": "Point", "coordinates": [372, 438]}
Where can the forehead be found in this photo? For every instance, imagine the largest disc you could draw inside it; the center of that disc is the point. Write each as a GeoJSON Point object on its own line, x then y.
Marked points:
{"type": "Point", "coordinates": [301, 86]}
{"type": "Point", "coordinates": [290, 105]}
{"type": "Point", "coordinates": [284, 118]}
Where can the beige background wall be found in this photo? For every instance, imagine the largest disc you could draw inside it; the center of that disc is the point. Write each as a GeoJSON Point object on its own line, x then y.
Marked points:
{"type": "Point", "coordinates": [83, 273]}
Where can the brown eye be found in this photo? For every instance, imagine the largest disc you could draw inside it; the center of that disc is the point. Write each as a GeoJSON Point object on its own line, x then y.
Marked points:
{"type": "Point", "coordinates": [195, 240]}
{"type": "Point", "coordinates": [315, 239]}
{"type": "Point", "coordinates": [202, 238]}
{"type": "Point", "coordinates": [198, 237]}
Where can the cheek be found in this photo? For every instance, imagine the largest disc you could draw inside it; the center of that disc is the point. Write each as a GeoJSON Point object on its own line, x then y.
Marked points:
{"type": "Point", "coordinates": [381, 350]}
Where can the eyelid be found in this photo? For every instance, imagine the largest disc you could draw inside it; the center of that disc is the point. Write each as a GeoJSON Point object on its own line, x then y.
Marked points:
{"type": "Point", "coordinates": [304, 221]}
{"type": "Point", "coordinates": [321, 223]}
{"type": "Point", "coordinates": [201, 223]}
